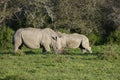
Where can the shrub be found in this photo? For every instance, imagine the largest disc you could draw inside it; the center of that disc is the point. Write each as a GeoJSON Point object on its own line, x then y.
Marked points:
{"type": "Point", "coordinates": [94, 39]}
{"type": "Point", "coordinates": [109, 53]}
{"type": "Point", "coordinates": [6, 37]}
{"type": "Point", "coordinates": [114, 37]}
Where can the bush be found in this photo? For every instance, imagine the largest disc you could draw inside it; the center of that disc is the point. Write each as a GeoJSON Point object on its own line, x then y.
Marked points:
{"type": "Point", "coordinates": [94, 39]}
{"type": "Point", "coordinates": [109, 53]}
{"type": "Point", "coordinates": [6, 37]}
{"type": "Point", "coordinates": [114, 37]}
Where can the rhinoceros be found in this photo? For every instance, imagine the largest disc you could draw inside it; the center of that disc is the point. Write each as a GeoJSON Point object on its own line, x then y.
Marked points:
{"type": "Point", "coordinates": [34, 38]}
{"type": "Point", "coordinates": [74, 40]}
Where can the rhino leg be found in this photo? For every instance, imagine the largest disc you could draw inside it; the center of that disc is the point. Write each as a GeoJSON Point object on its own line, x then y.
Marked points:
{"type": "Point", "coordinates": [82, 47]}
{"type": "Point", "coordinates": [83, 51]}
{"type": "Point", "coordinates": [46, 48]}
{"type": "Point", "coordinates": [86, 46]}
{"type": "Point", "coordinates": [17, 44]}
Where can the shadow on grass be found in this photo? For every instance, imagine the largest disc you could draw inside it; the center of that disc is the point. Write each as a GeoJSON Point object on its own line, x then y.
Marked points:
{"type": "Point", "coordinates": [85, 56]}
{"type": "Point", "coordinates": [6, 53]}
{"type": "Point", "coordinates": [80, 53]}
{"type": "Point", "coordinates": [24, 52]}
{"type": "Point", "coordinates": [93, 56]}
{"type": "Point", "coordinates": [37, 52]}
{"type": "Point", "coordinates": [30, 52]}
{"type": "Point", "coordinates": [11, 53]}
{"type": "Point", "coordinates": [14, 77]}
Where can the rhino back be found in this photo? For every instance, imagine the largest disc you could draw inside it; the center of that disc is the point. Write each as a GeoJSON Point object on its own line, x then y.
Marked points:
{"type": "Point", "coordinates": [31, 37]}
{"type": "Point", "coordinates": [73, 41]}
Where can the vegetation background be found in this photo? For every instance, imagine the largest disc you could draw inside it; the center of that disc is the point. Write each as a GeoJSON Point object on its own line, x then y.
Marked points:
{"type": "Point", "coordinates": [99, 20]}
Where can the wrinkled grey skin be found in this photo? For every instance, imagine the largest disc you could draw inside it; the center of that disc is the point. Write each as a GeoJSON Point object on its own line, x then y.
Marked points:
{"type": "Point", "coordinates": [74, 40]}
{"type": "Point", "coordinates": [34, 38]}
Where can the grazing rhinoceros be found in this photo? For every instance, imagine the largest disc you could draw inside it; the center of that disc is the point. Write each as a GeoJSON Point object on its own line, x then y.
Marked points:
{"type": "Point", "coordinates": [34, 38]}
{"type": "Point", "coordinates": [74, 40]}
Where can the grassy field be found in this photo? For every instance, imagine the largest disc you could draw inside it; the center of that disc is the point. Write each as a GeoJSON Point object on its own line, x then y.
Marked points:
{"type": "Point", "coordinates": [35, 65]}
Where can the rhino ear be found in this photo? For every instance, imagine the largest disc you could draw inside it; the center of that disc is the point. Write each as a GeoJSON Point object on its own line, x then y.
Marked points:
{"type": "Point", "coordinates": [54, 37]}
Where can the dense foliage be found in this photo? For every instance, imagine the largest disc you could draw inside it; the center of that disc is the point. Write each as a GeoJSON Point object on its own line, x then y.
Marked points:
{"type": "Point", "coordinates": [98, 19]}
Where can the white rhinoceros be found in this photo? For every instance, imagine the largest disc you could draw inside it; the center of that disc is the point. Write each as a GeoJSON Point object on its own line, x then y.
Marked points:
{"type": "Point", "coordinates": [34, 38]}
{"type": "Point", "coordinates": [74, 40]}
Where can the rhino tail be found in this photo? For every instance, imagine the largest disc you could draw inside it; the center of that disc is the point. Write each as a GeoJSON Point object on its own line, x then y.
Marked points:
{"type": "Point", "coordinates": [16, 35]}
{"type": "Point", "coordinates": [13, 38]}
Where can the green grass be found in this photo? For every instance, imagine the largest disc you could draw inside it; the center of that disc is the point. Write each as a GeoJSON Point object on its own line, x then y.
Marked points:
{"type": "Point", "coordinates": [35, 65]}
